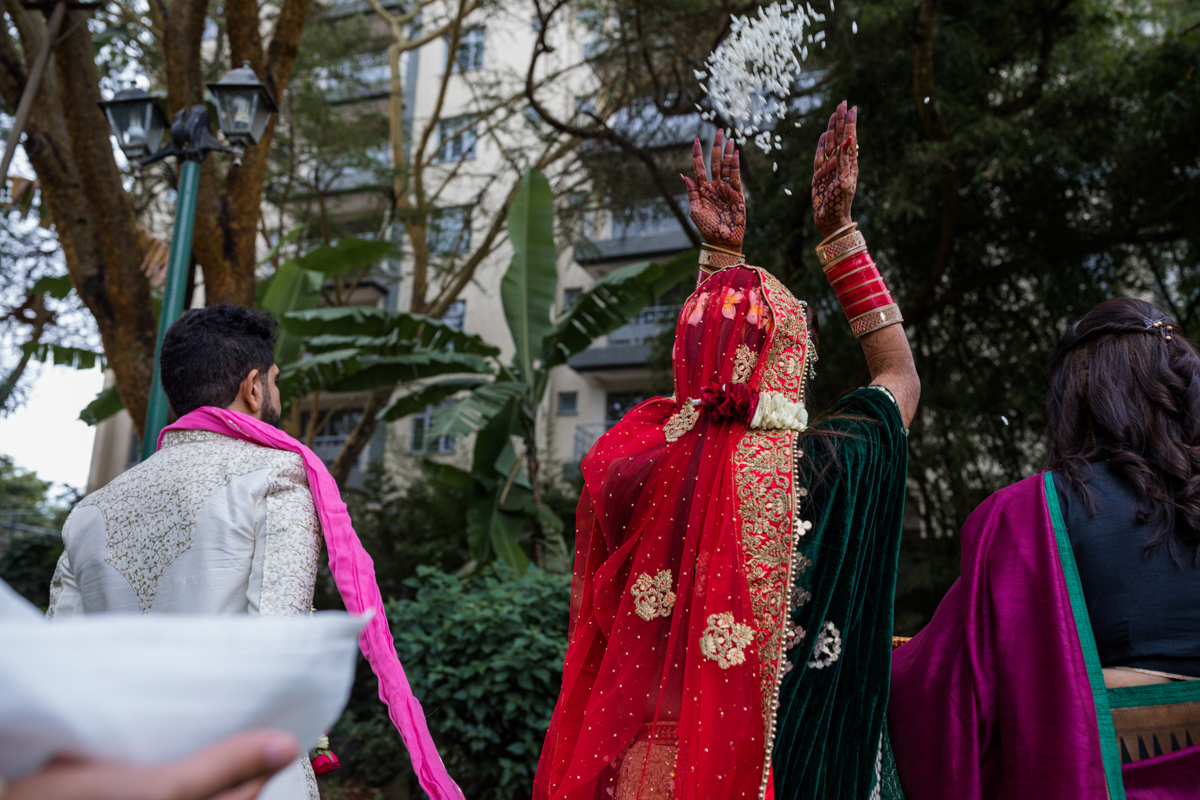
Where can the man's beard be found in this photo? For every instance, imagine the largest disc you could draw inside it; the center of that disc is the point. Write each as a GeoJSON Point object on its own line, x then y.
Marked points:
{"type": "Point", "coordinates": [270, 415]}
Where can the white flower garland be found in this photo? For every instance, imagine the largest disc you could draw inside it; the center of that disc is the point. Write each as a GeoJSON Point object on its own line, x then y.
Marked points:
{"type": "Point", "coordinates": [777, 412]}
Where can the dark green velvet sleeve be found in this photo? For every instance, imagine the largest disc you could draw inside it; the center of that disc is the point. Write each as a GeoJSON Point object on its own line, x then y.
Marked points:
{"type": "Point", "coordinates": [833, 699]}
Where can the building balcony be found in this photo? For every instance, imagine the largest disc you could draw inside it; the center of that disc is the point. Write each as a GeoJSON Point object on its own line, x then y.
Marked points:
{"type": "Point", "coordinates": [628, 346]}
{"type": "Point", "coordinates": [586, 434]}
{"type": "Point", "coordinates": [646, 232]}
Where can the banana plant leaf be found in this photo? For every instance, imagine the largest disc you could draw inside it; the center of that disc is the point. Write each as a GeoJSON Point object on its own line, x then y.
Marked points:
{"type": "Point", "coordinates": [490, 526]}
{"type": "Point", "coordinates": [349, 253]}
{"type": "Point", "coordinates": [528, 287]}
{"type": "Point", "coordinates": [611, 302]}
{"type": "Point", "coordinates": [431, 393]}
{"type": "Point", "coordinates": [446, 473]}
{"type": "Point", "coordinates": [107, 403]}
{"type": "Point", "coordinates": [57, 286]}
{"type": "Point", "coordinates": [381, 323]}
{"type": "Point", "coordinates": [291, 288]}
{"type": "Point", "coordinates": [477, 409]}
{"type": "Point", "coordinates": [351, 370]}
{"type": "Point", "coordinates": [63, 356]}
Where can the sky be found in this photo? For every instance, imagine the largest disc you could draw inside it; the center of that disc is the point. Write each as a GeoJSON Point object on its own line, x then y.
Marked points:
{"type": "Point", "coordinates": [46, 435]}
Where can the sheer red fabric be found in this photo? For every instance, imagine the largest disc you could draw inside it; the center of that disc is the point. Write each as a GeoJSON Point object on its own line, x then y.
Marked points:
{"type": "Point", "coordinates": [683, 568]}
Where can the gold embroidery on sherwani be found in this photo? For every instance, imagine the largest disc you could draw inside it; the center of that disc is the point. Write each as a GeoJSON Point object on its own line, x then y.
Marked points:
{"type": "Point", "coordinates": [744, 362]}
{"type": "Point", "coordinates": [652, 596]}
{"type": "Point", "coordinates": [681, 421]}
{"type": "Point", "coordinates": [725, 641]}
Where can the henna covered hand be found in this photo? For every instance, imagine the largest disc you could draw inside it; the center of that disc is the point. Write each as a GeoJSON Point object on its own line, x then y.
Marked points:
{"type": "Point", "coordinates": [717, 206]}
{"type": "Point", "coordinates": [835, 171]}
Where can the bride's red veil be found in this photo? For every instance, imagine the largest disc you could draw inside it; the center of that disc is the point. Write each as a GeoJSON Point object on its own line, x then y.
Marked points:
{"type": "Point", "coordinates": [683, 570]}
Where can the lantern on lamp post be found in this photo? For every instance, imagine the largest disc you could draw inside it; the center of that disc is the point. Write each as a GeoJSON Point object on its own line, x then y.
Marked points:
{"type": "Point", "coordinates": [244, 108]}
{"type": "Point", "coordinates": [138, 122]}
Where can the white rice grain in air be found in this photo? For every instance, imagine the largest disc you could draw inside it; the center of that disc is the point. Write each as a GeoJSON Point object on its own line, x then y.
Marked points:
{"type": "Point", "coordinates": [787, 191]}
{"type": "Point", "coordinates": [854, 27]}
{"type": "Point", "coordinates": [751, 75]}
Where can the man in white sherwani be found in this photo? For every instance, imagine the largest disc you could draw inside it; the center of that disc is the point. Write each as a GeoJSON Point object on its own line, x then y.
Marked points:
{"type": "Point", "coordinates": [209, 524]}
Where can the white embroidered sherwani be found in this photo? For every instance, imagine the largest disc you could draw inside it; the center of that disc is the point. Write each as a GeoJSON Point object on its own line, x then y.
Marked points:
{"type": "Point", "coordinates": [207, 525]}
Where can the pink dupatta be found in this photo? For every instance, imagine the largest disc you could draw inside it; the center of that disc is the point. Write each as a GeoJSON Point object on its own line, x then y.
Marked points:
{"type": "Point", "coordinates": [354, 572]}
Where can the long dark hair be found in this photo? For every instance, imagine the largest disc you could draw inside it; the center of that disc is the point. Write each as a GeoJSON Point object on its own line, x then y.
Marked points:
{"type": "Point", "coordinates": [1125, 388]}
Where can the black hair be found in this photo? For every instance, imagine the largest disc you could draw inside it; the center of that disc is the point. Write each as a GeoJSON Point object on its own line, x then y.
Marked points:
{"type": "Point", "coordinates": [1125, 388]}
{"type": "Point", "coordinates": [208, 352]}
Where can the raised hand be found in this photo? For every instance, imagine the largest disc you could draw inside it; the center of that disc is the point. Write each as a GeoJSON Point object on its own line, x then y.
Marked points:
{"type": "Point", "coordinates": [835, 171]}
{"type": "Point", "coordinates": [717, 206]}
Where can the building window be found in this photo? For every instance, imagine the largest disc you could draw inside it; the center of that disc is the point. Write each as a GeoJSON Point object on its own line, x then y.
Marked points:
{"type": "Point", "coordinates": [469, 55]}
{"type": "Point", "coordinates": [570, 296]}
{"type": "Point", "coordinates": [568, 404]}
{"type": "Point", "coordinates": [456, 314]}
{"type": "Point", "coordinates": [419, 443]}
{"type": "Point", "coordinates": [456, 139]}
{"type": "Point", "coordinates": [450, 231]}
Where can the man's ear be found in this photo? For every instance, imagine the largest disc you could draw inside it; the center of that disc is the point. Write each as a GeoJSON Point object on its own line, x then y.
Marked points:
{"type": "Point", "coordinates": [251, 393]}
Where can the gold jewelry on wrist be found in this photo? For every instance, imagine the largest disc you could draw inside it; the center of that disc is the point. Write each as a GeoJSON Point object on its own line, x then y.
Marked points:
{"type": "Point", "coordinates": [875, 319]}
{"type": "Point", "coordinates": [714, 248]}
{"type": "Point", "coordinates": [835, 234]}
{"type": "Point", "coordinates": [706, 258]}
{"type": "Point", "coordinates": [840, 248]}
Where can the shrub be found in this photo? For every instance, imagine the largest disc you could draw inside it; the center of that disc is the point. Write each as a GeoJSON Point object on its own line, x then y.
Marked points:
{"type": "Point", "coordinates": [484, 654]}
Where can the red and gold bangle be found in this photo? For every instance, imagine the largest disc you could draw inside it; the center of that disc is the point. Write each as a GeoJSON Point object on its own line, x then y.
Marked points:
{"type": "Point", "coordinates": [858, 285]}
{"type": "Point", "coordinates": [833, 252]}
{"type": "Point", "coordinates": [719, 259]}
{"type": "Point", "coordinates": [875, 319]}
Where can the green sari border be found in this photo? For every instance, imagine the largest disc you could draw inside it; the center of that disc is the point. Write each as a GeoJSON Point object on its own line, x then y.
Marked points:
{"type": "Point", "coordinates": [1155, 694]}
{"type": "Point", "coordinates": [1087, 642]}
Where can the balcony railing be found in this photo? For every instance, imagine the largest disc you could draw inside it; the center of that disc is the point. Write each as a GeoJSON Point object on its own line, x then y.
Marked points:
{"type": "Point", "coordinates": [644, 327]}
{"type": "Point", "coordinates": [586, 434]}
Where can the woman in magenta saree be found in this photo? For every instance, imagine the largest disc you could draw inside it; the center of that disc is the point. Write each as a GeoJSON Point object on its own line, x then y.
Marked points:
{"type": "Point", "coordinates": [1065, 661]}
{"type": "Point", "coordinates": [731, 609]}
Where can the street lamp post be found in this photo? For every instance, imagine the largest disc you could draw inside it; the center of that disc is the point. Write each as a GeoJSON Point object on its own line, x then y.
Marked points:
{"type": "Point", "coordinates": [244, 107]}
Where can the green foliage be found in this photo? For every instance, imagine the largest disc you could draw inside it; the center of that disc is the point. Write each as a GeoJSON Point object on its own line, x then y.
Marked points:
{"type": "Point", "coordinates": [106, 403]}
{"type": "Point", "coordinates": [29, 523]}
{"type": "Point", "coordinates": [484, 653]}
{"type": "Point", "coordinates": [527, 289]}
{"type": "Point", "coordinates": [63, 355]}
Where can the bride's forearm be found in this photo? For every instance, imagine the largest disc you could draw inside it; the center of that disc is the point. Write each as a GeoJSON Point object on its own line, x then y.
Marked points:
{"type": "Point", "coordinates": [890, 360]}
{"type": "Point", "coordinates": [873, 315]}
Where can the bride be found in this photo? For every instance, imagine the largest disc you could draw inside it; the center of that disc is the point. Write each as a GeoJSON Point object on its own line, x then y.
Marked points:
{"type": "Point", "coordinates": [731, 610]}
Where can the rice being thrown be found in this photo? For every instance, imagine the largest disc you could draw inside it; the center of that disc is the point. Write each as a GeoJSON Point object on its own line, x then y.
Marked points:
{"type": "Point", "coordinates": [751, 74]}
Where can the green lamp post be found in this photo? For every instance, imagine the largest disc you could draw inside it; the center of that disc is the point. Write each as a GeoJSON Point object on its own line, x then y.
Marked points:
{"type": "Point", "coordinates": [244, 108]}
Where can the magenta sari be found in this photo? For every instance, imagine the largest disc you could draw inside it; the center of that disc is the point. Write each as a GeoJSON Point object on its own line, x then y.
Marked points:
{"type": "Point", "coordinates": [1002, 695]}
{"type": "Point", "coordinates": [354, 572]}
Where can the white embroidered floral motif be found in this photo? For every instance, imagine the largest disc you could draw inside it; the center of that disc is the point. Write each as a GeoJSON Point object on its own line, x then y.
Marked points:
{"type": "Point", "coordinates": [652, 597]}
{"type": "Point", "coordinates": [828, 647]}
{"type": "Point", "coordinates": [725, 641]}
{"type": "Point", "coordinates": [310, 778]}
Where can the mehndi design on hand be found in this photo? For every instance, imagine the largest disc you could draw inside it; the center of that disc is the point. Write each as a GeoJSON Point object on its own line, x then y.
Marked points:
{"type": "Point", "coordinates": [835, 171]}
{"type": "Point", "coordinates": [717, 206]}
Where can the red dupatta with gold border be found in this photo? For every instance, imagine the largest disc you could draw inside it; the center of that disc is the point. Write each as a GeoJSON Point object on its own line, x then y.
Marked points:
{"type": "Point", "coordinates": [683, 569]}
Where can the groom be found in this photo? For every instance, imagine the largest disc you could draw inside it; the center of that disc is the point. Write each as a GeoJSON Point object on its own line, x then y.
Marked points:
{"type": "Point", "coordinates": [209, 524]}
{"type": "Point", "coordinates": [228, 518]}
